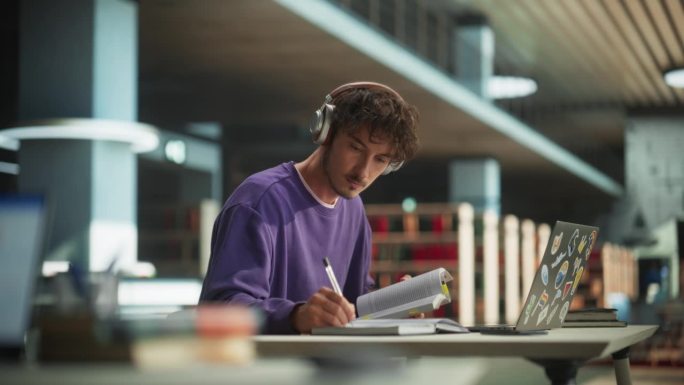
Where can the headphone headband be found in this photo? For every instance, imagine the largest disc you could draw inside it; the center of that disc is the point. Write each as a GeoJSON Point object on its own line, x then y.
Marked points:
{"type": "Point", "coordinates": [361, 85]}
{"type": "Point", "coordinates": [319, 126]}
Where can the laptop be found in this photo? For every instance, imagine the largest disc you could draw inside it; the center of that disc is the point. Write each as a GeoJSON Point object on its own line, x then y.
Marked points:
{"type": "Point", "coordinates": [555, 282]}
{"type": "Point", "coordinates": [22, 230]}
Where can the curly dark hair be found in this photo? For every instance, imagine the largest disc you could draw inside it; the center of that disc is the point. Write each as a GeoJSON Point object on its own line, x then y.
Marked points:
{"type": "Point", "coordinates": [386, 116]}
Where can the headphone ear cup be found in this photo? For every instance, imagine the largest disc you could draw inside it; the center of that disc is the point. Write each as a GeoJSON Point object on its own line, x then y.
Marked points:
{"type": "Point", "coordinates": [392, 167]}
{"type": "Point", "coordinates": [319, 126]}
{"type": "Point", "coordinates": [315, 124]}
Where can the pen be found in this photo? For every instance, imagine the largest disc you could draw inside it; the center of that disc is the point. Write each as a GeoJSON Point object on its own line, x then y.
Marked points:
{"type": "Point", "coordinates": [331, 276]}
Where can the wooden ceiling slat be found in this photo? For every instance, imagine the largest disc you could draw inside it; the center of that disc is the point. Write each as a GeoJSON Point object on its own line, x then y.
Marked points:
{"type": "Point", "coordinates": [620, 49]}
{"type": "Point", "coordinates": [662, 23]}
{"type": "Point", "coordinates": [674, 45]}
{"type": "Point", "coordinates": [585, 34]}
{"type": "Point", "coordinates": [652, 39]}
{"type": "Point", "coordinates": [595, 37]}
{"type": "Point", "coordinates": [675, 10]}
{"type": "Point", "coordinates": [643, 23]}
{"type": "Point", "coordinates": [564, 66]}
{"type": "Point", "coordinates": [638, 48]}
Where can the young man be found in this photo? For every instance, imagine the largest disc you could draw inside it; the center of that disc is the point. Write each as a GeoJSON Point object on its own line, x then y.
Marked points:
{"type": "Point", "coordinates": [270, 239]}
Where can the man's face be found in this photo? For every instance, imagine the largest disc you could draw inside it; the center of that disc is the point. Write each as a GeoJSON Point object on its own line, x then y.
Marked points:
{"type": "Point", "coordinates": [353, 162]}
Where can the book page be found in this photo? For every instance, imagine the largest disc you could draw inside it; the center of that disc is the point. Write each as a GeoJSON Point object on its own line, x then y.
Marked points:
{"type": "Point", "coordinates": [421, 289]}
{"type": "Point", "coordinates": [414, 307]}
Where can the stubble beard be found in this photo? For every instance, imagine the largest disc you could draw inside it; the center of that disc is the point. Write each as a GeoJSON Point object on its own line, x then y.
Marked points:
{"type": "Point", "coordinates": [326, 171]}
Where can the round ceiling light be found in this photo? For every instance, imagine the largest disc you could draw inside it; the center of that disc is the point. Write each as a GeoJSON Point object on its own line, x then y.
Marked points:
{"type": "Point", "coordinates": [506, 87]}
{"type": "Point", "coordinates": [675, 77]}
{"type": "Point", "coordinates": [141, 137]}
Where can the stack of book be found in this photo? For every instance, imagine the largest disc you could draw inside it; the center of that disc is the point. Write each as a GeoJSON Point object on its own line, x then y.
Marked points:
{"type": "Point", "coordinates": [592, 318]}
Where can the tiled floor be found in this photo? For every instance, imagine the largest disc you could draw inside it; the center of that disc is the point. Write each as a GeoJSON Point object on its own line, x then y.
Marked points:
{"type": "Point", "coordinates": [604, 375]}
{"type": "Point", "coordinates": [522, 372]}
{"type": "Point", "coordinates": [424, 371]}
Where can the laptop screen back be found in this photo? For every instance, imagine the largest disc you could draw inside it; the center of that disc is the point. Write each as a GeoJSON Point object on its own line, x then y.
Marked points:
{"type": "Point", "coordinates": [558, 276]}
{"type": "Point", "coordinates": [22, 226]}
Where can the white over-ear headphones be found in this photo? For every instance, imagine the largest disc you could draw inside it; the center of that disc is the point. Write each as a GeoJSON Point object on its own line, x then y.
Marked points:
{"type": "Point", "coordinates": [319, 126]}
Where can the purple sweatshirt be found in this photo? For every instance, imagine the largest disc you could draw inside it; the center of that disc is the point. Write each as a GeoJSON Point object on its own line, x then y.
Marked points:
{"type": "Point", "coordinates": [269, 241]}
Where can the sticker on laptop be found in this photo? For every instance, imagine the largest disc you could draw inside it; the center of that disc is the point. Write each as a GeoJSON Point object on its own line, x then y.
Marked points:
{"type": "Point", "coordinates": [562, 272]}
{"type": "Point", "coordinates": [553, 312]}
{"type": "Point", "coordinates": [545, 274]}
{"type": "Point", "coordinates": [556, 297]}
{"type": "Point", "coordinates": [577, 280]}
{"type": "Point", "coordinates": [542, 315]}
{"type": "Point", "coordinates": [529, 307]}
{"type": "Point", "coordinates": [592, 240]}
{"type": "Point", "coordinates": [582, 243]}
{"type": "Point", "coordinates": [566, 289]}
{"type": "Point", "coordinates": [572, 243]}
{"type": "Point", "coordinates": [558, 260]}
{"type": "Point", "coordinates": [556, 243]}
{"type": "Point", "coordinates": [543, 299]}
{"type": "Point", "coordinates": [564, 311]}
{"type": "Point", "coordinates": [575, 265]}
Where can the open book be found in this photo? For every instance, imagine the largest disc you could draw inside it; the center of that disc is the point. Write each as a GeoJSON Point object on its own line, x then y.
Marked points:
{"type": "Point", "coordinates": [377, 327]}
{"type": "Point", "coordinates": [425, 292]}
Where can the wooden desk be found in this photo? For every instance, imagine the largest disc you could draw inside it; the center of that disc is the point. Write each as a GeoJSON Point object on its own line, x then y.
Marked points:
{"type": "Point", "coordinates": [560, 352]}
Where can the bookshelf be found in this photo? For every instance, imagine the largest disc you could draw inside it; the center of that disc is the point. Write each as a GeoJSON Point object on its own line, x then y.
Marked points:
{"type": "Point", "coordinates": [416, 242]}
{"type": "Point", "coordinates": [176, 237]}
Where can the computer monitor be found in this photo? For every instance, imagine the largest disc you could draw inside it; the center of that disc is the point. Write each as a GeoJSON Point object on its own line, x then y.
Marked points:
{"type": "Point", "coordinates": [22, 232]}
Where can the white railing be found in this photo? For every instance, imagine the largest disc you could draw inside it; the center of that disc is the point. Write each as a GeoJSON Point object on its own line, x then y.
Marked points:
{"type": "Point", "coordinates": [512, 265]}
{"type": "Point", "coordinates": [619, 272]}
{"type": "Point", "coordinates": [490, 250]}
{"type": "Point", "coordinates": [466, 264]}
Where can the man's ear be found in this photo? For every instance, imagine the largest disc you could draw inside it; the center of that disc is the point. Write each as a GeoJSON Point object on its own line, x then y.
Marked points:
{"type": "Point", "coordinates": [332, 135]}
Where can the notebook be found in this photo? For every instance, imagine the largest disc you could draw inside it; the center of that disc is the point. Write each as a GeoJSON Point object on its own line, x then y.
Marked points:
{"type": "Point", "coordinates": [555, 282]}
{"type": "Point", "coordinates": [393, 326]}
{"type": "Point", "coordinates": [22, 228]}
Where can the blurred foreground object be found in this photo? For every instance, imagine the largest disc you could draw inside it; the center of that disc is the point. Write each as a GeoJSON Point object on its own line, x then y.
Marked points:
{"type": "Point", "coordinates": [205, 334]}
{"type": "Point", "coordinates": [216, 334]}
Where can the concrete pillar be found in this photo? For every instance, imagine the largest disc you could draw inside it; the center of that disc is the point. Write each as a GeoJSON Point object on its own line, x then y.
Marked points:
{"type": "Point", "coordinates": [474, 54]}
{"type": "Point", "coordinates": [78, 59]}
{"type": "Point", "coordinates": [476, 181]}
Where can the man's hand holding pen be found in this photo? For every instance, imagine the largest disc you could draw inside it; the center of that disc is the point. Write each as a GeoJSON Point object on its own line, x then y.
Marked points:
{"type": "Point", "coordinates": [324, 308]}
